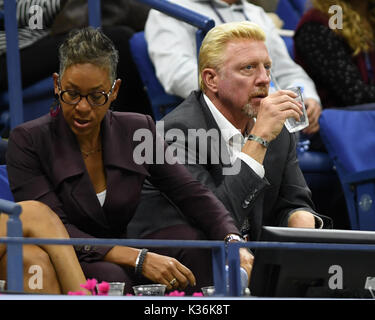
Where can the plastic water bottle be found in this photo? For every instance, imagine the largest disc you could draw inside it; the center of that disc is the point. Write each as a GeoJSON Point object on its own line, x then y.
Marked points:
{"type": "Point", "coordinates": [272, 88]}
{"type": "Point", "coordinates": [244, 280]}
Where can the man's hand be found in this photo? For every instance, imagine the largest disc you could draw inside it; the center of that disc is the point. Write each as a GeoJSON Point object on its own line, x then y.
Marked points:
{"type": "Point", "coordinates": [301, 219]}
{"type": "Point", "coordinates": [246, 261]}
{"type": "Point", "coordinates": [273, 111]}
{"type": "Point", "coordinates": [313, 110]}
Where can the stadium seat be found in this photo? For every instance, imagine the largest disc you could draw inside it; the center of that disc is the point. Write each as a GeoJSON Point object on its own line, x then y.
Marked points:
{"type": "Point", "coordinates": [299, 5]}
{"type": "Point", "coordinates": [288, 13]}
{"type": "Point", "coordinates": [5, 192]}
{"type": "Point", "coordinates": [348, 135]}
{"type": "Point", "coordinates": [161, 102]}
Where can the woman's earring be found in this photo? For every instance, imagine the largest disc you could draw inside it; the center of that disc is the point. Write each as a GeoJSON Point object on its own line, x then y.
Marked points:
{"type": "Point", "coordinates": [55, 107]}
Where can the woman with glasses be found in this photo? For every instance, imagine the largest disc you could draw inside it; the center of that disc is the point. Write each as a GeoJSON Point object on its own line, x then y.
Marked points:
{"type": "Point", "coordinates": [80, 161]}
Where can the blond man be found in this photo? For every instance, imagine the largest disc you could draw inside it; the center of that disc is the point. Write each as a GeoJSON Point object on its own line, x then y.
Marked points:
{"type": "Point", "coordinates": [266, 185]}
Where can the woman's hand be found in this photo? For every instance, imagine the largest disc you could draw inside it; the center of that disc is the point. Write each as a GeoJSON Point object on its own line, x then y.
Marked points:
{"type": "Point", "coordinates": [168, 271]}
{"type": "Point", "coordinates": [313, 110]}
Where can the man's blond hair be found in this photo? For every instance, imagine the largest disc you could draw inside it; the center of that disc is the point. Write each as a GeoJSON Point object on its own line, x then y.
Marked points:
{"type": "Point", "coordinates": [211, 53]}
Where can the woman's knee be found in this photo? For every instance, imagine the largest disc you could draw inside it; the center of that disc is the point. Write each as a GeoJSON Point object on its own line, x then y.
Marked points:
{"type": "Point", "coordinates": [39, 273]}
{"type": "Point", "coordinates": [33, 255]}
{"type": "Point", "coordinates": [33, 209]}
{"type": "Point", "coordinates": [40, 221]}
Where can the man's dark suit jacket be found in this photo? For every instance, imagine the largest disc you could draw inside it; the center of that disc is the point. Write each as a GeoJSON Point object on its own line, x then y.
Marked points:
{"type": "Point", "coordinates": [44, 163]}
{"type": "Point", "coordinates": [252, 201]}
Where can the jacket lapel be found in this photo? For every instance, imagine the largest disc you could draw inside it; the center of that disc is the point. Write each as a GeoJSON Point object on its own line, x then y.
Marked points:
{"type": "Point", "coordinates": [69, 169]}
{"type": "Point", "coordinates": [124, 177]}
{"type": "Point", "coordinates": [219, 145]}
{"type": "Point", "coordinates": [68, 160]}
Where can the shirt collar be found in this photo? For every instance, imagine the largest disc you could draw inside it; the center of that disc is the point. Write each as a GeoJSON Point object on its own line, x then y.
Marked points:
{"type": "Point", "coordinates": [227, 129]}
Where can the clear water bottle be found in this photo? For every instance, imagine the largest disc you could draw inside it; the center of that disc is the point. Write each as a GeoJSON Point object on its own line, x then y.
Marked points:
{"type": "Point", "coordinates": [244, 280]}
{"type": "Point", "coordinates": [272, 88]}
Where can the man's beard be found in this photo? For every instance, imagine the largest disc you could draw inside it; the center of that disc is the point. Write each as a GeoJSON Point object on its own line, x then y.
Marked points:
{"type": "Point", "coordinates": [248, 109]}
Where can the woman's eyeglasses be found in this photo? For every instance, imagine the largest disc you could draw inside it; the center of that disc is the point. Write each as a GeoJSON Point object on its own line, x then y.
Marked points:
{"type": "Point", "coordinates": [95, 99]}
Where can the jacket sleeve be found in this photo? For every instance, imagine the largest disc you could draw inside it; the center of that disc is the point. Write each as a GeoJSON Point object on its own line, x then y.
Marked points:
{"type": "Point", "coordinates": [242, 191]}
{"type": "Point", "coordinates": [237, 186]}
{"type": "Point", "coordinates": [29, 182]}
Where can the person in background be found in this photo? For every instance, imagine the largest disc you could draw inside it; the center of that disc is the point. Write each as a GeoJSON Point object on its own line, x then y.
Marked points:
{"type": "Point", "coordinates": [336, 48]}
{"type": "Point", "coordinates": [341, 59]}
{"type": "Point", "coordinates": [172, 49]}
{"type": "Point", "coordinates": [61, 271]}
{"type": "Point", "coordinates": [80, 161]}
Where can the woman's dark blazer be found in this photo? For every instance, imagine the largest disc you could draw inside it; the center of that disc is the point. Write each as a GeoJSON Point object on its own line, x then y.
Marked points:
{"type": "Point", "coordinates": [45, 163]}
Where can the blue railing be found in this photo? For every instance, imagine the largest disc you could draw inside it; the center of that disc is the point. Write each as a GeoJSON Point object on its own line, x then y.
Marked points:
{"type": "Point", "coordinates": [94, 13]}
{"type": "Point", "coordinates": [14, 250]}
{"type": "Point", "coordinates": [13, 63]}
{"type": "Point", "coordinates": [221, 254]}
{"type": "Point", "coordinates": [14, 241]}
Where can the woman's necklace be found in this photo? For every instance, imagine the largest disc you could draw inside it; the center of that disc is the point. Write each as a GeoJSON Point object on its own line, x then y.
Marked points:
{"type": "Point", "coordinates": [89, 153]}
{"type": "Point", "coordinates": [86, 154]}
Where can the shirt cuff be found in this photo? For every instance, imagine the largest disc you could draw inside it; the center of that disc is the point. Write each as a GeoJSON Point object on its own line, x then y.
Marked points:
{"type": "Point", "coordinates": [253, 164]}
{"type": "Point", "coordinates": [318, 222]}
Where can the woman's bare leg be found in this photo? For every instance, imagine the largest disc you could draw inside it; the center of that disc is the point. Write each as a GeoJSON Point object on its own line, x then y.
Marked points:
{"type": "Point", "coordinates": [39, 221]}
{"type": "Point", "coordinates": [39, 275]}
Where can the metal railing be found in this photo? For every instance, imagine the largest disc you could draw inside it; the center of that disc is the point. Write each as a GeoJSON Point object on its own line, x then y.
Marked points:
{"type": "Point", "coordinates": [15, 240]}
{"type": "Point", "coordinates": [221, 254]}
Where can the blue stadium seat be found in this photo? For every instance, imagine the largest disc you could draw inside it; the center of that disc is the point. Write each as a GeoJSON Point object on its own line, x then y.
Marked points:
{"type": "Point", "coordinates": [5, 192]}
{"type": "Point", "coordinates": [161, 102]}
{"type": "Point", "coordinates": [299, 5]}
{"type": "Point", "coordinates": [288, 13]}
{"type": "Point", "coordinates": [348, 135]}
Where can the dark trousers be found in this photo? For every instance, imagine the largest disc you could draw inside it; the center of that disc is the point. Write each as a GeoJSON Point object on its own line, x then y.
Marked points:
{"type": "Point", "coordinates": [197, 260]}
{"type": "Point", "coordinates": [40, 60]}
